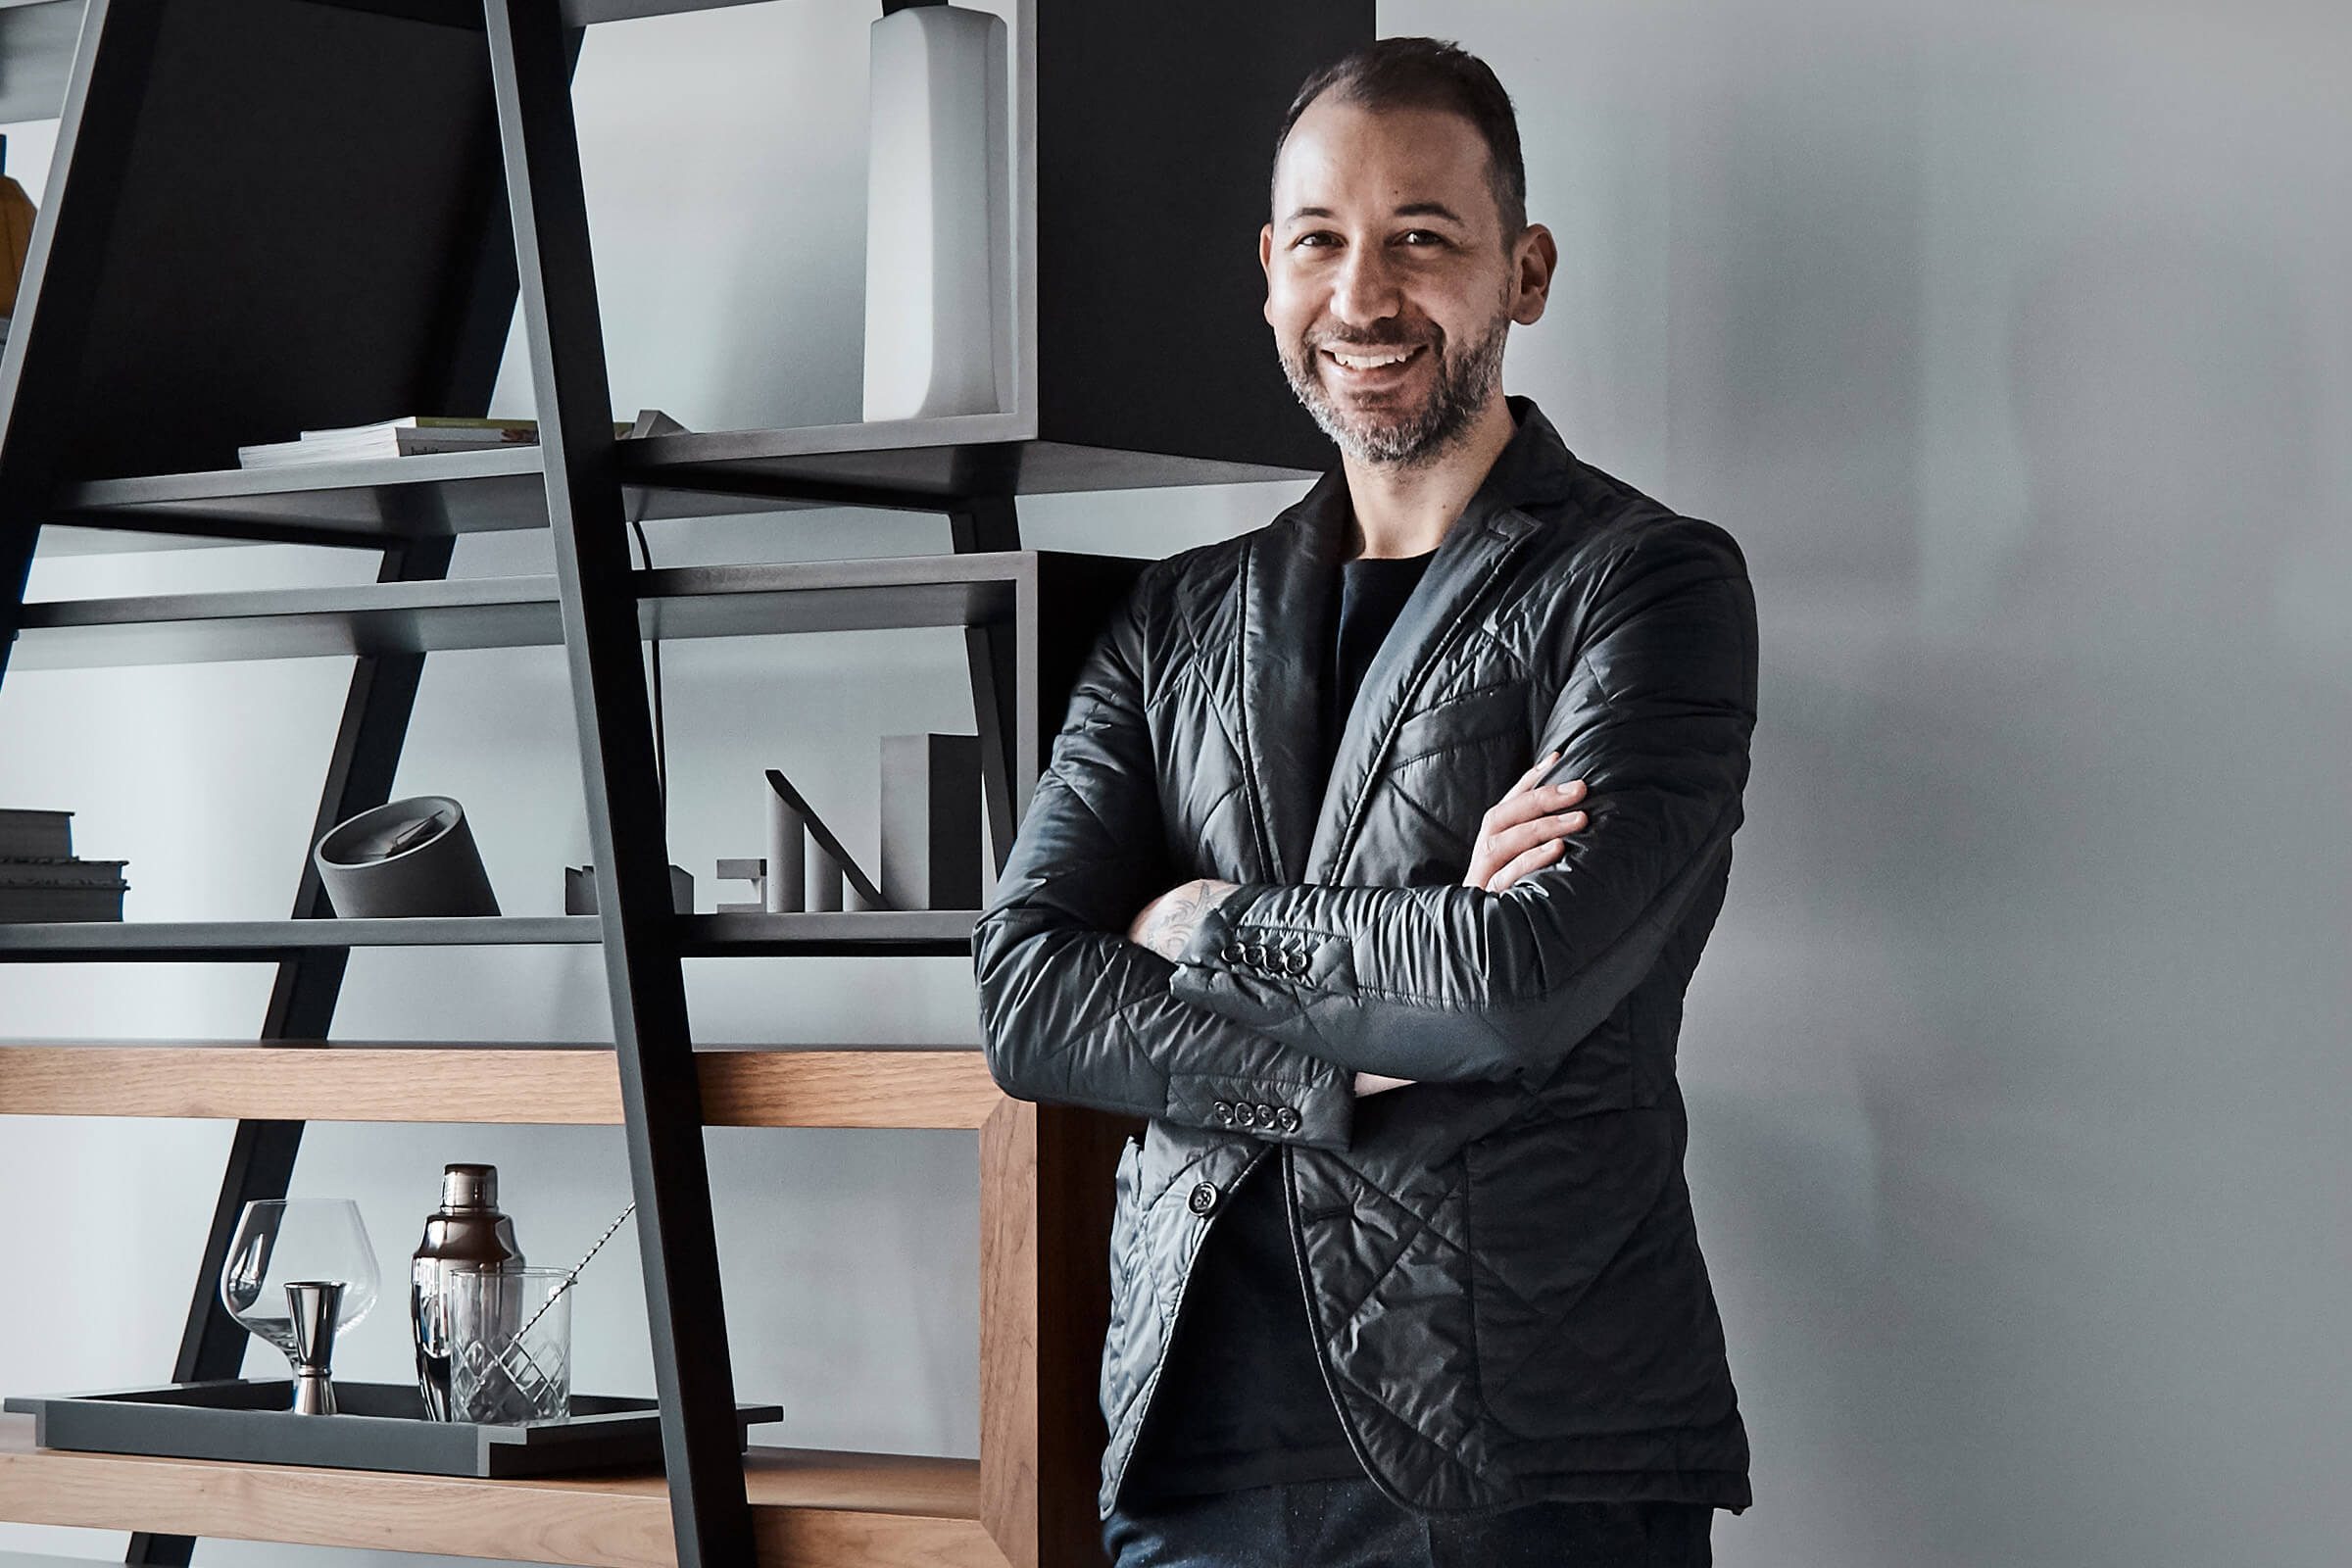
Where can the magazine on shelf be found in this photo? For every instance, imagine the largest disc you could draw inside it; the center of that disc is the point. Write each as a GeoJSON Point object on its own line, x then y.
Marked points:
{"type": "Point", "coordinates": [413, 436]}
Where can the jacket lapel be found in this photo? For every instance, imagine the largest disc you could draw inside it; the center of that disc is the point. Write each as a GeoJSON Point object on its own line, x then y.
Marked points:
{"type": "Point", "coordinates": [1284, 615]}
{"type": "Point", "coordinates": [1533, 470]}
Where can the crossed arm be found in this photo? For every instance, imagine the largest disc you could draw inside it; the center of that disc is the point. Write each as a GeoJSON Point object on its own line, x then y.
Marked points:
{"type": "Point", "coordinates": [1523, 832]}
{"type": "Point", "coordinates": [1495, 980]}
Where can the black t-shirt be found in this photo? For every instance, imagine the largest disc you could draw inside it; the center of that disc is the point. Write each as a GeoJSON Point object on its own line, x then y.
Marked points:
{"type": "Point", "coordinates": [1242, 1402]}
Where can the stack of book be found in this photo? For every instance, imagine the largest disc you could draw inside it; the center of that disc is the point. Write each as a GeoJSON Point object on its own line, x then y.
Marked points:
{"type": "Point", "coordinates": [39, 878]}
{"type": "Point", "coordinates": [416, 434]}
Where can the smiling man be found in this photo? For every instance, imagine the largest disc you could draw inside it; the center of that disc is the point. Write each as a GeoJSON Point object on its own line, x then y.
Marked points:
{"type": "Point", "coordinates": [1372, 864]}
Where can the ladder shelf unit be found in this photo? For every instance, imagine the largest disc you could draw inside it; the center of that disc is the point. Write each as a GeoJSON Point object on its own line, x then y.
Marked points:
{"type": "Point", "coordinates": [151, 336]}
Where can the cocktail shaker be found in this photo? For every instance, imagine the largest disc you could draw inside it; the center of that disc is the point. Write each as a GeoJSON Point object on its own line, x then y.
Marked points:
{"type": "Point", "coordinates": [466, 1234]}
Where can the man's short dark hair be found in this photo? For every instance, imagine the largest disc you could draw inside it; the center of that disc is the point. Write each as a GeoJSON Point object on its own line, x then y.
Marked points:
{"type": "Point", "coordinates": [1430, 74]}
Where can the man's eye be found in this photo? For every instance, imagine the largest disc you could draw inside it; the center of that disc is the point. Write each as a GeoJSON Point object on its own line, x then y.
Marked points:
{"type": "Point", "coordinates": [1316, 241]}
{"type": "Point", "coordinates": [1422, 236]}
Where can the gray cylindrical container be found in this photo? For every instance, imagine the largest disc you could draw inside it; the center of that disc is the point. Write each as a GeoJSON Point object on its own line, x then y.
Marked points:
{"type": "Point", "coordinates": [406, 858]}
{"type": "Point", "coordinates": [466, 1234]}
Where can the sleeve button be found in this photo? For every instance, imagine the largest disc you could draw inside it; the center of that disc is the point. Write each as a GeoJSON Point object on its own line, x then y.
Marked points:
{"type": "Point", "coordinates": [1222, 1110]}
{"type": "Point", "coordinates": [1232, 953]}
{"type": "Point", "coordinates": [1287, 1119]}
{"type": "Point", "coordinates": [1244, 1116]}
{"type": "Point", "coordinates": [1265, 1116]}
{"type": "Point", "coordinates": [1299, 963]}
{"type": "Point", "coordinates": [1203, 1199]}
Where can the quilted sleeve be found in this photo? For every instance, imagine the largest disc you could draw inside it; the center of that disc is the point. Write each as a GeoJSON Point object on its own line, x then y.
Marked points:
{"type": "Point", "coordinates": [1458, 984]}
{"type": "Point", "coordinates": [1072, 1012]}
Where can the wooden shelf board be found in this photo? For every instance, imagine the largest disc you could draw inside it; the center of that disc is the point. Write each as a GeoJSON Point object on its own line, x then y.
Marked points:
{"type": "Point", "coordinates": [809, 1509]}
{"type": "Point", "coordinates": [900, 933]}
{"type": "Point", "coordinates": [409, 617]}
{"type": "Point", "coordinates": [550, 1084]}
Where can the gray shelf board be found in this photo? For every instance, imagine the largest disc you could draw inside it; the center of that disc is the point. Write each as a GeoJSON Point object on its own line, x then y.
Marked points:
{"type": "Point", "coordinates": [762, 466]}
{"type": "Point", "coordinates": [516, 611]}
{"type": "Point", "coordinates": [891, 932]}
{"type": "Point", "coordinates": [267, 941]}
{"type": "Point", "coordinates": [939, 933]}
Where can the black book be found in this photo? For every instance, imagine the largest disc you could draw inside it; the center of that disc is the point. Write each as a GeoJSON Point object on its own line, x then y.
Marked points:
{"type": "Point", "coordinates": [22, 904]}
{"type": "Point", "coordinates": [20, 872]}
{"type": "Point", "coordinates": [37, 835]}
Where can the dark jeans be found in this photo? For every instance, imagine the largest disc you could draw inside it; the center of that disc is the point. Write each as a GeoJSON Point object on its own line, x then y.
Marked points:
{"type": "Point", "coordinates": [1348, 1524]}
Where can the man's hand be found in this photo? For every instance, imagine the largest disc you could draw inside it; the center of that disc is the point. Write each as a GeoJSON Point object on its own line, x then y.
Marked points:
{"type": "Point", "coordinates": [1523, 833]}
{"type": "Point", "coordinates": [1167, 924]}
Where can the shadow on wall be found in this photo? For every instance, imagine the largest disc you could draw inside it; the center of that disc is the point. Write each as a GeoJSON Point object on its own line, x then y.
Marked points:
{"type": "Point", "coordinates": [2100, 841]}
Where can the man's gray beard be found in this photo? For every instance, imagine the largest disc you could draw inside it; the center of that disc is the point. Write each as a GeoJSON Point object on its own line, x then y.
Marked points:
{"type": "Point", "coordinates": [1464, 385]}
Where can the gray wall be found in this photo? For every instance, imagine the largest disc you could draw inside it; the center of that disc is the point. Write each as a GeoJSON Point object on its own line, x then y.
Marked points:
{"type": "Point", "coordinates": [2010, 340]}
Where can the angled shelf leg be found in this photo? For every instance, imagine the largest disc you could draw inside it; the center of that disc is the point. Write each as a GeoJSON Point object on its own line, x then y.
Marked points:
{"type": "Point", "coordinates": [530, 57]}
{"type": "Point", "coordinates": [301, 1003]}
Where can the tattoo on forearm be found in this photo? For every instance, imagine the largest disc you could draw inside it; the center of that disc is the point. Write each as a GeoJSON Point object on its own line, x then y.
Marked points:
{"type": "Point", "coordinates": [1178, 915]}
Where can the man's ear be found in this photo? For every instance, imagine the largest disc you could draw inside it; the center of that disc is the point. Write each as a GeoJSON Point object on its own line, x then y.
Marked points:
{"type": "Point", "coordinates": [1533, 259]}
{"type": "Point", "coordinates": [1265, 265]}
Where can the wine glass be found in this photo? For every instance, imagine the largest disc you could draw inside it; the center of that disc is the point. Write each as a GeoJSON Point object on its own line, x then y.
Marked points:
{"type": "Point", "coordinates": [284, 1241]}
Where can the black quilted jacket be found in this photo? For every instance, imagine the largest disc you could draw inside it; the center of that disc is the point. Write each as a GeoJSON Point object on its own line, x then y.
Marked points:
{"type": "Point", "coordinates": [1502, 1269]}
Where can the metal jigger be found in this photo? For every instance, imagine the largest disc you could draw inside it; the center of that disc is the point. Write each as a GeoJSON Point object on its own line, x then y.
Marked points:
{"type": "Point", "coordinates": [314, 1305]}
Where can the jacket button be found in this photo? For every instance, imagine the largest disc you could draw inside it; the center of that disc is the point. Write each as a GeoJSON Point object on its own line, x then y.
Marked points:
{"type": "Point", "coordinates": [1287, 1119]}
{"type": "Point", "coordinates": [1203, 1199]}
{"type": "Point", "coordinates": [1299, 963]}
{"type": "Point", "coordinates": [1256, 956]}
{"type": "Point", "coordinates": [1244, 1116]}
{"type": "Point", "coordinates": [1232, 953]}
{"type": "Point", "coordinates": [1265, 1116]}
{"type": "Point", "coordinates": [1222, 1110]}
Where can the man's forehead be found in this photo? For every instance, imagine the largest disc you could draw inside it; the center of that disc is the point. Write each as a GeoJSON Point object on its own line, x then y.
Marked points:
{"type": "Point", "coordinates": [1400, 162]}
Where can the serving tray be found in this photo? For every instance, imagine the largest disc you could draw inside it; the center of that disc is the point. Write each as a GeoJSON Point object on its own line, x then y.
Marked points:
{"type": "Point", "coordinates": [378, 1426]}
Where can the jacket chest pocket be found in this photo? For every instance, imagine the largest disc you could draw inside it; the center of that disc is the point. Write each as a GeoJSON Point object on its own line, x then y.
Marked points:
{"type": "Point", "coordinates": [1473, 721]}
{"type": "Point", "coordinates": [1445, 766]}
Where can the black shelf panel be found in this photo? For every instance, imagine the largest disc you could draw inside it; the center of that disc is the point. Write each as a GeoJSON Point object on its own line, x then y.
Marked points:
{"type": "Point", "coordinates": [359, 504]}
{"type": "Point", "coordinates": [329, 503]}
{"type": "Point", "coordinates": [38, 36]}
{"type": "Point", "coordinates": [903, 933]}
{"type": "Point", "coordinates": [902, 466]}
{"type": "Point", "coordinates": [906, 464]}
{"type": "Point", "coordinates": [408, 618]}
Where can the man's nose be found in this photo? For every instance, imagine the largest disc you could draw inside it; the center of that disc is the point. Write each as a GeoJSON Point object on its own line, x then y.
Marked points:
{"type": "Point", "coordinates": [1365, 290]}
